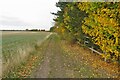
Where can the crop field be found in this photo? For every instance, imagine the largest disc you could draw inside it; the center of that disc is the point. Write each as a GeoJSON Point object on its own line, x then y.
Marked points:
{"type": "Point", "coordinates": [46, 55]}
{"type": "Point", "coordinates": [16, 46]}
{"type": "Point", "coordinates": [82, 41]}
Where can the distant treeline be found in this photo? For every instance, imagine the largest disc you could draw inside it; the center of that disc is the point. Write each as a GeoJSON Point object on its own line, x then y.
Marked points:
{"type": "Point", "coordinates": [12, 30]}
{"type": "Point", "coordinates": [26, 30]}
{"type": "Point", "coordinates": [35, 30]}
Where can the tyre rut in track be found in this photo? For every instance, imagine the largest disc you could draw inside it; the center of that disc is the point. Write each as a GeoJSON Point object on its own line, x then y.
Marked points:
{"type": "Point", "coordinates": [52, 65]}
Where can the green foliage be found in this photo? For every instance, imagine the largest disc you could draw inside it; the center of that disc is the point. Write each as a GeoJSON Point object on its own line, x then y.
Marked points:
{"type": "Point", "coordinates": [52, 29]}
{"type": "Point", "coordinates": [70, 18]}
{"type": "Point", "coordinates": [100, 21]}
{"type": "Point", "coordinates": [102, 24]}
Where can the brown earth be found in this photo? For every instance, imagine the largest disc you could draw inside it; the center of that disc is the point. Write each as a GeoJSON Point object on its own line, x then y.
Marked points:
{"type": "Point", "coordinates": [64, 61]}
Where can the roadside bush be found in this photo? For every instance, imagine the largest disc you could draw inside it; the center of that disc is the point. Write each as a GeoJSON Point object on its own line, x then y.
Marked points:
{"type": "Point", "coordinates": [100, 21]}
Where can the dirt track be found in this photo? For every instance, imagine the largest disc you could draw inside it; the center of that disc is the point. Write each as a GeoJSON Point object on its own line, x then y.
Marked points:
{"type": "Point", "coordinates": [58, 63]}
{"type": "Point", "coordinates": [52, 63]}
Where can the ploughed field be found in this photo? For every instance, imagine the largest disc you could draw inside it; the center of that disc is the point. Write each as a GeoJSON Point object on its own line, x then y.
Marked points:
{"type": "Point", "coordinates": [45, 55]}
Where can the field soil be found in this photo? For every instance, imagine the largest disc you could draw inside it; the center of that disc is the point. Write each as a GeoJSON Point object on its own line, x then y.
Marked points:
{"type": "Point", "coordinates": [61, 60]}
{"type": "Point", "coordinates": [52, 57]}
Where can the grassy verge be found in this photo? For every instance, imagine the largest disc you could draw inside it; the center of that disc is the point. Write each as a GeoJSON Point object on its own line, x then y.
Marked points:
{"type": "Point", "coordinates": [86, 64]}
{"type": "Point", "coordinates": [64, 61]}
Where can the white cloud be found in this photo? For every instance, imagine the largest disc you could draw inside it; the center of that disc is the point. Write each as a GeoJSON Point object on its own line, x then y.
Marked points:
{"type": "Point", "coordinates": [30, 12]}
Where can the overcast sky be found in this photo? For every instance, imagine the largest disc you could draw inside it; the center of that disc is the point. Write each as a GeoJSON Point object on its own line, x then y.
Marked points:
{"type": "Point", "coordinates": [22, 14]}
